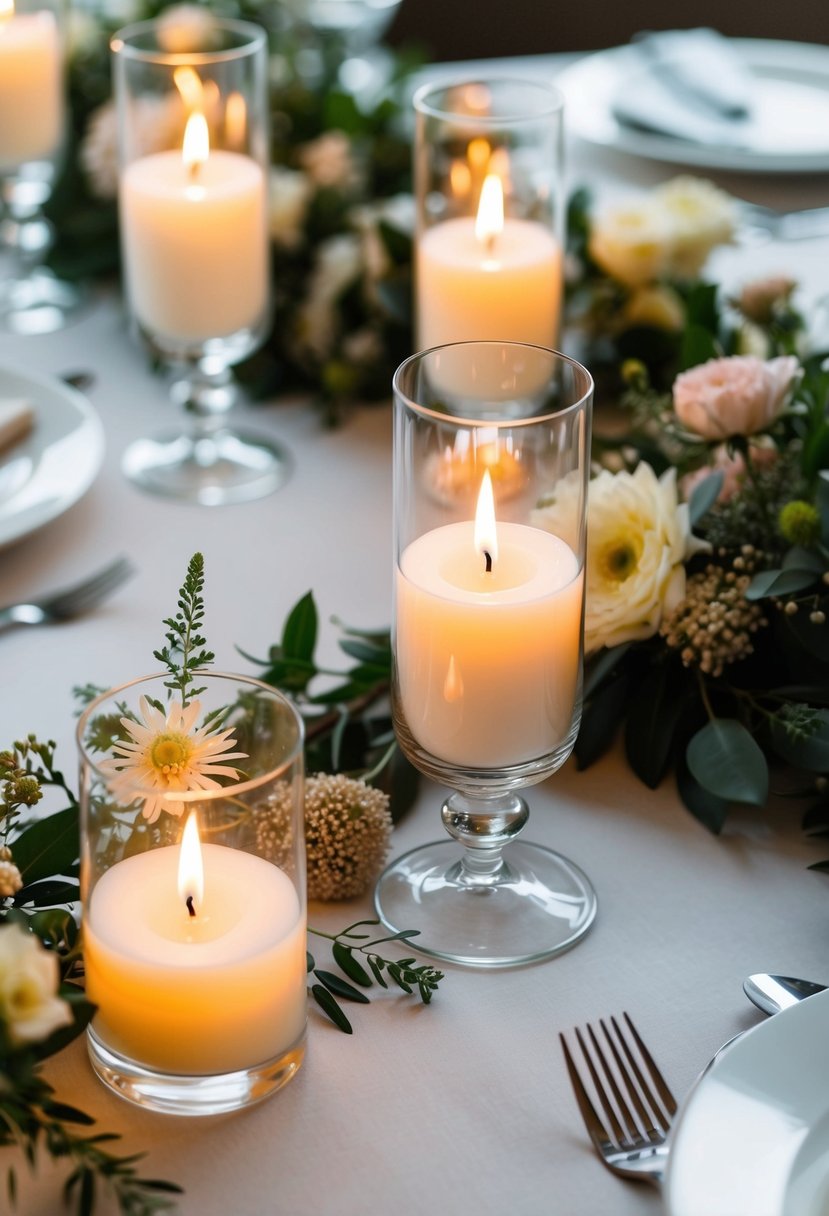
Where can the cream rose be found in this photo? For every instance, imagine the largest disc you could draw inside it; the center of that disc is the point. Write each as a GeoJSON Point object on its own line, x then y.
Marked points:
{"type": "Point", "coordinates": [740, 395]}
{"type": "Point", "coordinates": [699, 217]}
{"type": "Point", "coordinates": [30, 1008]}
{"type": "Point", "coordinates": [289, 194]}
{"type": "Point", "coordinates": [638, 537]}
{"type": "Point", "coordinates": [631, 242]}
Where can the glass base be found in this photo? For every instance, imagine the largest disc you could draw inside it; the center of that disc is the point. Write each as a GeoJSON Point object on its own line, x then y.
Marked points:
{"type": "Point", "coordinates": [537, 905]}
{"type": "Point", "coordinates": [38, 303]}
{"type": "Point", "coordinates": [172, 1094]}
{"type": "Point", "coordinates": [224, 467]}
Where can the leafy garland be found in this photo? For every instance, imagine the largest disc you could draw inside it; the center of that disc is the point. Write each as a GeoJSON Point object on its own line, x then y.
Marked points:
{"type": "Point", "coordinates": [35, 851]}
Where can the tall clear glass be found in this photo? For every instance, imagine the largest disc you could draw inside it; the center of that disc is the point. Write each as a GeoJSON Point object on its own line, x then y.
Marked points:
{"type": "Point", "coordinates": [193, 118]}
{"type": "Point", "coordinates": [32, 133]}
{"type": "Point", "coordinates": [193, 889]}
{"type": "Point", "coordinates": [491, 457]}
{"type": "Point", "coordinates": [489, 186]}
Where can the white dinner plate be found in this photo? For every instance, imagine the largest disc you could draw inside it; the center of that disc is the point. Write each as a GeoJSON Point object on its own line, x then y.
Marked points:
{"type": "Point", "coordinates": [788, 131]}
{"type": "Point", "coordinates": [42, 476]}
{"type": "Point", "coordinates": [752, 1138]}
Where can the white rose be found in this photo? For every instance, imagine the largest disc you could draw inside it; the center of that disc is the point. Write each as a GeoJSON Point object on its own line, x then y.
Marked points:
{"type": "Point", "coordinates": [338, 264]}
{"type": "Point", "coordinates": [29, 1006]}
{"type": "Point", "coordinates": [699, 217]}
{"type": "Point", "coordinates": [631, 242]}
{"type": "Point", "coordinates": [289, 194]}
{"type": "Point", "coordinates": [638, 537]}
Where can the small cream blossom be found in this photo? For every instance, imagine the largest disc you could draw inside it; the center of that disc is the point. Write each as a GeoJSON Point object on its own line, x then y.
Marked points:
{"type": "Point", "coordinates": [638, 538]}
{"type": "Point", "coordinates": [30, 1008]}
{"type": "Point", "coordinates": [11, 880]}
{"type": "Point", "coordinates": [289, 195]}
{"type": "Point", "coordinates": [165, 755]}
{"type": "Point", "coordinates": [338, 265]}
{"type": "Point", "coordinates": [158, 124]}
{"type": "Point", "coordinates": [739, 395]}
{"type": "Point", "coordinates": [329, 161]}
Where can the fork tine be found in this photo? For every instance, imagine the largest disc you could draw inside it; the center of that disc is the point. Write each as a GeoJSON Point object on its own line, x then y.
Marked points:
{"type": "Point", "coordinates": [652, 1120]}
{"type": "Point", "coordinates": [624, 1134]}
{"type": "Point", "coordinates": [659, 1081]}
{"type": "Point", "coordinates": [75, 599]}
{"type": "Point", "coordinates": [592, 1121]}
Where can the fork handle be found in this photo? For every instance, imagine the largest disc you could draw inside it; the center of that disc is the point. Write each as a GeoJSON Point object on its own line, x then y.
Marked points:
{"type": "Point", "coordinates": [11, 616]}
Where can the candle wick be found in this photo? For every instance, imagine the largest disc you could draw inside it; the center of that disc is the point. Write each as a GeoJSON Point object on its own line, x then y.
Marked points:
{"type": "Point", "coordinates": [193, 168]}
{"type": "Point", "coordinates": [488, 557]}
{"type": "Point", "coordinates": [490, 245]}
{"type": "Point", "coordinates": [190, 908]}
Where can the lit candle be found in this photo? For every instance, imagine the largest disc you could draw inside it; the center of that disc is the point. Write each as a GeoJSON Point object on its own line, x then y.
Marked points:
{"type": "Point", "coordinates": [488, 278]}
{"type": "Point", "coordinates": [195, 240]}
{"type": "Point", "coordinates": [488, 624]}
{"type": "Point", "coordinates": [195, 957]}
{"type": "Point", "coordinates": [31, 89]}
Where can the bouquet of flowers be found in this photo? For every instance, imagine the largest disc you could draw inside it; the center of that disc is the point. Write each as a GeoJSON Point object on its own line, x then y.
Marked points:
{"type": "Point", "coordinates": [708, 517]}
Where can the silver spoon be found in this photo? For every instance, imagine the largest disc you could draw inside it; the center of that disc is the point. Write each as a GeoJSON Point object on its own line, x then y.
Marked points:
{"type": "Point", "coordinates": [771, 993]}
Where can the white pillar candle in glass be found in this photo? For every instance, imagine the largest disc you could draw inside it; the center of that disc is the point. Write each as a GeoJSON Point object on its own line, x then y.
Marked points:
{"type": "Point", "coordinates": [31, 88]}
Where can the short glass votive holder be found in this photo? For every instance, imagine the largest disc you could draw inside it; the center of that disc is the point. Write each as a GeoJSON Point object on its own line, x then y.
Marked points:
{"type": "Point", "coordinates": [193, 889]}
{"type": "Point", "coordinates": [193, 134]}
{"type": "Point", "coordinates": [491, 458]}
{"type": "Point", "coordinates": [488, 176]}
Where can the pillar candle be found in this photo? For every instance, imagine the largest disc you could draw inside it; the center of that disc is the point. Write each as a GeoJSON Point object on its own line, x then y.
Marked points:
{"type": "Point", "coordinates": [31, 88]}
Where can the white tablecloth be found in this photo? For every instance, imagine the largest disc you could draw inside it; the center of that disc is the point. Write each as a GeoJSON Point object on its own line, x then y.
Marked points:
{"type": "Point", "coordinates": [463, 1106]}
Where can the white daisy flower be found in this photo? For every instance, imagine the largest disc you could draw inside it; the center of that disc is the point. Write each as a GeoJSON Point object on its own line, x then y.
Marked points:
{"type": "Point", "coordinates": [166, 755]}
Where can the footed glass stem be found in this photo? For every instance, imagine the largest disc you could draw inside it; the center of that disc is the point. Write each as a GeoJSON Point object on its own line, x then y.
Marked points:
{"type": "Point", "coordinates": [32, 299]}
{"type": "Point", "coordinates": [498, 902]}
{"type": "Point", "coordinates": [209, 463]}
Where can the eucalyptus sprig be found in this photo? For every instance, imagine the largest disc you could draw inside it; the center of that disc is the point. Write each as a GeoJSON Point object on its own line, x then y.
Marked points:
{"type": "Point", "coordinates": [401, 972]}
{"type": "Point", "coordinates": [186, 650]}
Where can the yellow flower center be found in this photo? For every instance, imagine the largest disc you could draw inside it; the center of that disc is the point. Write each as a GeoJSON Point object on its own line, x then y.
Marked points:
{"type": "Point", "coordinates": [171, 752]}
{"type": "Point", "coordinates": [617, 560]}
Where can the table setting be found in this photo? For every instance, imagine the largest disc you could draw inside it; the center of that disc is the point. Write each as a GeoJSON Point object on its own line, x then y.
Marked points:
{"type": "Point", "coordinates": [414, 518]}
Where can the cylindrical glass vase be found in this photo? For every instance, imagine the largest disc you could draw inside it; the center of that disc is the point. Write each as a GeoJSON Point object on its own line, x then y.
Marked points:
{"type": "Point", "coordinates": [488, 171]}
{"type": "Point", "coordinates": [491, 458]}
{"type": "Point", "coordinates": [193, 888]}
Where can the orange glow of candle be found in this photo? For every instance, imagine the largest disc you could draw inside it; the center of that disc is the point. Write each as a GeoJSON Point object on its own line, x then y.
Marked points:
{"type": "Point", "coordinates": [191, 866]}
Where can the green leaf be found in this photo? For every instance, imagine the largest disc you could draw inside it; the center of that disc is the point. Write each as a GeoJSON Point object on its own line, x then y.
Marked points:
{"type": "Point", "coordinates": [330, 1008]}
{"type": "Point", "coordinates": [704, 496]}
{"type": "Point", "coordinates": [309, 961]}
{"type": "Point", "coordinates": [698, 346]}
{"type": "Point", "coordinates": [299, 637]}
{"type": "Point", "coordinates": [341, 987]}
{"type": "Point", "coordinates": [727, 762]}
{"type": "Point", "coordinates": [822, 499]}
{"type": "Point", "coordinates": [812, 752]}
{"type": "Point", "coordinates": [822, 866]}
{"type": "Point", "coordinates": [601, 719]}
{"type": "Point", "coordinates": [47, 893]}
{"type": "Point", "coordinates": [779, 582]}
{"type": "Point", "coordinates": [49, 846]}
{"type": "Point", "coordinates": [710, 810]}
{"type": "Point", "coordinates": [654, 710]}
{"type": "Point", "coordinates": [345, 960]}
{"type": "Point", "coordinates": [601, 666]}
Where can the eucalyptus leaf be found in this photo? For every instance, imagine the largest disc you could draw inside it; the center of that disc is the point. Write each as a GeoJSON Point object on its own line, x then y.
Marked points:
{"type": "Point", "coordinates": [710, 810]}
{"type": "Point", "coordinates": [47, 893]}
{"type": "Point", "coordinates": [653, 713]}
{"type": "Point", "coordinates": [601, 666]}
{"type": "Point", "coordinates": [704, 496]}
{"type": "Point", "coordinates": [341, 987]}
{"type": "Point", "coordinates": [345, 960]}
{"type": "Point", "coordinates": [727, 762]}
{"type": "Point", "coordinates": [601, 718]}
{"type": "Point", "coordinates": [299, 637]}
{"type": "Point", "coordinates": [779, 582]}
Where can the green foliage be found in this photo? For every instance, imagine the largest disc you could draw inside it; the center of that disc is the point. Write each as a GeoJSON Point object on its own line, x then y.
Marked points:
{"type": "Point", "coordinates": [186, 652]}
{"type": "Point", "coordinates": [403, 972]}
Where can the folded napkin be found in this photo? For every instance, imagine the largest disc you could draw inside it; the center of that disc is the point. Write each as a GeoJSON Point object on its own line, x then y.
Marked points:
{"type": "Point", "coordinates": [16, 420]}
{"type": "Point", "coordinates": [691, 86]}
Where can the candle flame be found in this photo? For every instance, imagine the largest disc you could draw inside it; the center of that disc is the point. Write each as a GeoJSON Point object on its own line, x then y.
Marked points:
{"type": "Point", "coordinates": [236, 121]}
{"type": "Point", "coordinates": [189, 85]}
{"type": "Point", "coordinates": [460, 179]}
{"type": "Point", "coordinates": [489, 222]}
{"type": "Point", "coordinates": [478, 154]}
{"type": "Point", "coordinates": [190, 865]}
{"type": "Point", "coordinates": [6, 9]}
{"type": "Point", "coordinates": [485, 533]}
{"type": "Point", "coordinates": [196, 147]}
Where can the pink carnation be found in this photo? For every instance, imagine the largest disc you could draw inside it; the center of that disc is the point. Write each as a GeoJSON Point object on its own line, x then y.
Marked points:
{"type": "Point", "coordinates": [737, 396]}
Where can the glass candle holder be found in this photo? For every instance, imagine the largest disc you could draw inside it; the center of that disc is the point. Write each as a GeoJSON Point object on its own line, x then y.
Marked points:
{"type": "Point", "coordinates": [491, 456]}
{"type": "Point", "coordinates": [193, 888]}
{"type": "Point", "coordinates": [193, 189]}
{"type": "Point", "coordinates": [32, 132]}
{"type": "Point", "coordinates": [490, 212]}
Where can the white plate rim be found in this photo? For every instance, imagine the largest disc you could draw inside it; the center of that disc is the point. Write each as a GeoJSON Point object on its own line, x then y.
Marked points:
{"type": "Point", "coordinates": [49, 392]}
{"type": "Point", "coordinates": [589, 83]}
{"type": "Point", "coordinates": [792, 1042]}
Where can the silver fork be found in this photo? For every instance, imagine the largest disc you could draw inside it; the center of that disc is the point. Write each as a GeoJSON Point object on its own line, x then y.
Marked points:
{"type": "Point", "coordinates": [70, 602]}
{"type": "Point", "coordinates": [637, 1104]}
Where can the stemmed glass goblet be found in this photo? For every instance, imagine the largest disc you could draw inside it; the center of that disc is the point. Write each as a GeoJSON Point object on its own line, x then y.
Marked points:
{"type": "Point", "coordinates": [193, 142]}
{"type": "Point", "coordinates": [32, 120]}
{"type": "Point", "coordinates": [491, 454]}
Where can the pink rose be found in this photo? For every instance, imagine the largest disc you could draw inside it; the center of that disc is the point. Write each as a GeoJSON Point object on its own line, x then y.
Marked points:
{"type": "Point", "coordinates": [737, 396]}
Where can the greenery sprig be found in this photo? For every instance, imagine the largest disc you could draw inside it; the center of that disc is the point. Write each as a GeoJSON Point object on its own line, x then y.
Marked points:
{"type": "Point", "coordinates": [186, 650]}
{"type": "Point", "coordinates": [402, 972]}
